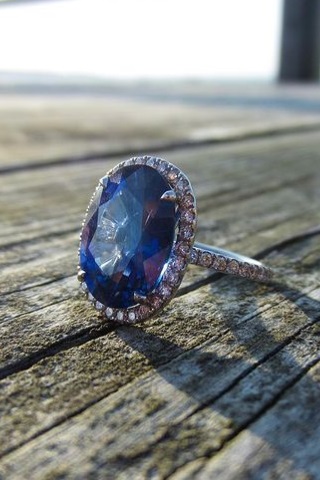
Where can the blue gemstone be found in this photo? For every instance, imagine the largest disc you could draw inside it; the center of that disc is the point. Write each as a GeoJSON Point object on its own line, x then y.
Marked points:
{"type": "Point", "coordinates": [128, 236]}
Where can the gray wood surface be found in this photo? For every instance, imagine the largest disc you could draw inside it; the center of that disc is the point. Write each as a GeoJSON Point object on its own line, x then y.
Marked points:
{"type": "Point", "coordinates": [48, 129]}
{"type": "Point", "coordinates": [224, 384]}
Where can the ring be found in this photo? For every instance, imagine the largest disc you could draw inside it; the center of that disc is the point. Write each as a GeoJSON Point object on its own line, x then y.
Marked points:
{"type": "Point", "coordinates": [137, 239]}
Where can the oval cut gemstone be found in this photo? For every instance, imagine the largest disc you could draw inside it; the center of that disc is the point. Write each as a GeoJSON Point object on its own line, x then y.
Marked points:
{"type": "Point", "coordinates": [128, 236]}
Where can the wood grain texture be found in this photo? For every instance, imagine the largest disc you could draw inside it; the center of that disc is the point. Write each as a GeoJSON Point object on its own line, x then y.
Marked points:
{"type": "Point", "coordinates": [224, 384]}
{"type": "Point", "coordinates": [46, 128]}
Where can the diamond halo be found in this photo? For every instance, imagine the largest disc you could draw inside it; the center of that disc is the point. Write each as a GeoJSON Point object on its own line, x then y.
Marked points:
{"type": "Point", "coordinates": [179, 257]}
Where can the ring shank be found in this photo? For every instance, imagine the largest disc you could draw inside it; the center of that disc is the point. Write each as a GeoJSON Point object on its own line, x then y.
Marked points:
{"type": "Point", "coordinates": [232, 263]}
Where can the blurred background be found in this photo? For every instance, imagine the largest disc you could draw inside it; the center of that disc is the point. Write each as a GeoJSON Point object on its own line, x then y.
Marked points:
{"type": "Point", "coordinates": [90, 77]}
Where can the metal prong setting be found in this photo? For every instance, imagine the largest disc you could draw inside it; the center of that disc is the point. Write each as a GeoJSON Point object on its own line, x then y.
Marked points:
{"type": "Point", "coordinates": [103, 180]}
{"type": "Point", "coordinates": [170, 196]}
{"type": "Point", "coordinates": [141, 299]}
{"type": "Point", "coordinates": [80, 276]}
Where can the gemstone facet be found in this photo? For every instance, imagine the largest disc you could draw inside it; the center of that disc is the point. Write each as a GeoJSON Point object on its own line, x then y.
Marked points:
{"type": "Point", "coordinates": [128, 236]}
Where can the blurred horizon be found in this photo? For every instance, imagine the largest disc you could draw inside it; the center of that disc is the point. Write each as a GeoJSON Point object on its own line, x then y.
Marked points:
{"type": "Point", "coordinates": [96, 41]}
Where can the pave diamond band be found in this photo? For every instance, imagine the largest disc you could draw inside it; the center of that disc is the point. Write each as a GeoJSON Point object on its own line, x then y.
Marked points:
{"type": "Point", "coordinates": [232, 263]}
{"type": "Point", "coordinates": [137, 240]}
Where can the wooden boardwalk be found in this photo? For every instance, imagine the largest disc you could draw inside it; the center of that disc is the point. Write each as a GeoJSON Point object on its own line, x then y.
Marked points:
{"type": "Point", "coordinates": [225, 384]}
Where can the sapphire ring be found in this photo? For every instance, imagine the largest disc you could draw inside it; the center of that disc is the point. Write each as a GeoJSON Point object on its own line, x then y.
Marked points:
{"type": "Point", "coordinates": [138, 238]}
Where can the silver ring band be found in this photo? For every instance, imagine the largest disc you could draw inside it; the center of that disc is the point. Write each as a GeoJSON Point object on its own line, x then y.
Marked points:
{"type": "Point", "coordinates": [225, 261]}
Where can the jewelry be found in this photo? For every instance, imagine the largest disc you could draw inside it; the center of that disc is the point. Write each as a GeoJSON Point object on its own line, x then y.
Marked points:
{"type": "Point", "coordinates": [138, 238]}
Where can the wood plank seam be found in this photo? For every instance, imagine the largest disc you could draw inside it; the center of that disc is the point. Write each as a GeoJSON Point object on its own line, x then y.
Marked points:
{"type": "Point", "coordinates": [263, 360]}
{"type": "Point", "coordinates": [215, 380]}
{"type": "Point", "coordinates": [38, 309]}
{"type": "Point", "coordinates": [36, 285]}
{"type": "Point", "coordinates": [88, 334]}
{"type": "Point", "coordinates": [43, 236]}
{"type": "Point", "coordinates": [211, 402]}
{"type": "Point", "coordinates": [75, 229]}
{"type": "Point", "coordinates": [244, 196]}
{"type": "Point", "coordinates": [182, 291]}
{"type": "Point", "coordinates": [164, 147]}
{"type": "Point", "coordinates": [77, 341]}
{"type": "Point", "coordinates": [269, 405]}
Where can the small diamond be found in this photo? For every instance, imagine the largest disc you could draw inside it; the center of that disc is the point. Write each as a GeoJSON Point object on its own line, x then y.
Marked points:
{"type": "Point", "coordinates": [143, 311]}
{"type": "Point", "coordinates": [182, 184]}
{"type": "Point", "coordinates": [109, 312]}
{"type": "Point", "coordinates": [99, 306]}
{"type": "Point", "coordinates": [187, 200]}
{"type": "Point", "coordinates": [165, 291]}
{"type": "Point", "coordinates": [194, 256]}
{"type": "Point", "coordinates": [244, 270]}
{"type": "Point", "coordinates": [206, 259]}
{"type": "Point", "coordinates": [151, 162]}
{"type": "Point", "coordinates": [186, 233]}
{"type": "Point", "coordinates": [173, 175]}
{"type": "Point", "coordinates": [219, 263]}
{"type": "Point", "coordinates": [233, 267]}
{"type": "Point", "coordinates": [161, 167]}
{"type": "Point", "coordinates": [131, 316]}
{"type": "Point", "coordinates": [172, 278]}
{"type": "Point", "coordinates": [183, 249]}
{"type": "Point", "coordinates": [187, 216]}
{"type": "Point", "coordinates": [253, 271]}
{"type": "Point", "coordinates": [179, 263]}
{"type": "Point", "coordinates": [116, 177]}
{"type": "Point", "coordinates": [120, 315]}
{"type": "Point", "coordinates": [157, 302]}
{"type": "Point", "coordinates": [90, 297]}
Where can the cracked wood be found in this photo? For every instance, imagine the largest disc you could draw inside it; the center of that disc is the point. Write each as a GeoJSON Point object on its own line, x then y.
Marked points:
{"type": "Point", "coordinates": [224, 384]}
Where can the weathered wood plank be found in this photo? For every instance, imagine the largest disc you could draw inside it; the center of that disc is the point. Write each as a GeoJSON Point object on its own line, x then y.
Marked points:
{"type": "Point", "coordinates": [68, 193]}
{"type": "Point", "coordinates": [192, 385]}
{"type": "Point", "coordinates": [237, 171]}
{"type": "Point", "coordinates": [40, 129]}
{"type": "Point", "coordinates": [263, 449]}
{"type": "Point", "coordinates": [190, 403]}
{"type": "Point", "coordinates": [252, 226]}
